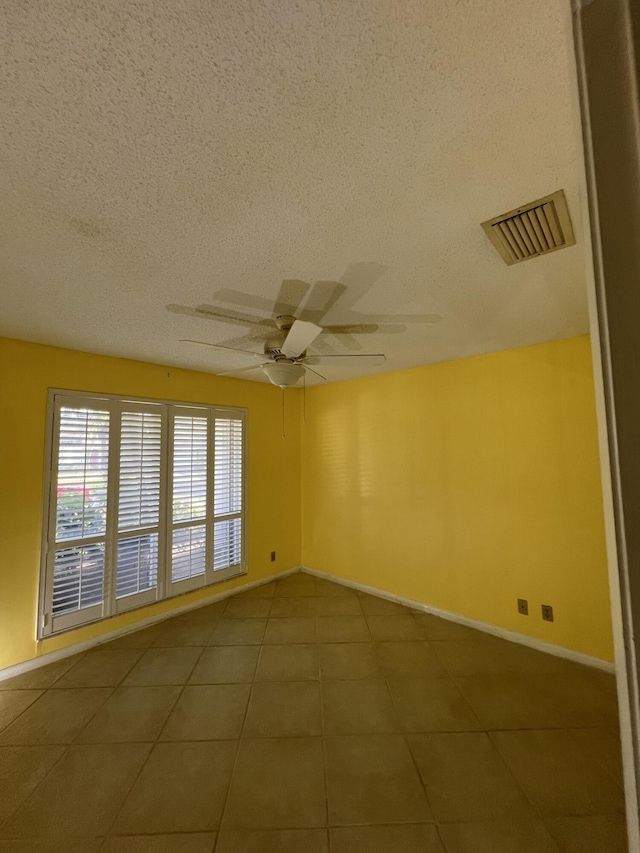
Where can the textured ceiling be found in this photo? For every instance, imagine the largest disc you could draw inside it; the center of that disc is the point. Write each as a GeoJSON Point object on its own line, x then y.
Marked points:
{"type": "Point", "coordinates": [201, 152]}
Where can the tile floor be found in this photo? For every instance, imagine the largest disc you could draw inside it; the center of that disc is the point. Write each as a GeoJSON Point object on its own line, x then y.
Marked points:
{"type": "Point", "coordinates": [301, 716]}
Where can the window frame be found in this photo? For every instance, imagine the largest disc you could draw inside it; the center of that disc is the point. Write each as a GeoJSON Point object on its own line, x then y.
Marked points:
{"type": "Point", "coordinates": [165, 589]}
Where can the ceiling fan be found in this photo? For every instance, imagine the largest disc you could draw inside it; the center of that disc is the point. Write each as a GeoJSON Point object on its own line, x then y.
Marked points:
{"type": "Point", "coordinates": [286, 352]}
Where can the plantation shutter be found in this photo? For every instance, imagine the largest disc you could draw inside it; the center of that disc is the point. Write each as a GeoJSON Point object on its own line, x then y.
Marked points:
{"type": "Point", "coordinates": [143, 500]}
{"type": "Point", "coordinates": [138, 536]}
{"type": "Point", "coordinates": [228, 496]}
{"type": "Point", "coordinates": [77, 520]}
{"type": "Point", "coordinates": [189, 479]}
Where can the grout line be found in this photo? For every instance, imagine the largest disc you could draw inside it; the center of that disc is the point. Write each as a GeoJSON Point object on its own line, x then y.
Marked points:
{"type": "Point", "coordinates": [322, 729]}
{"type": "Point", "coordinates": [399, 716]}
{"type": "Point", "coordinates": [154, 743]}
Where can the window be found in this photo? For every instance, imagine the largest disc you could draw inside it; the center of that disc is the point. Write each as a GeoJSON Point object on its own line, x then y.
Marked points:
{"type": "Point", "coordinates": [144, 501]}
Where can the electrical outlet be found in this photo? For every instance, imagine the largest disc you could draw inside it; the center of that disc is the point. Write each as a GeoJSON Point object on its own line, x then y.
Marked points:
{"type": "Point", "coordinates": [523, 606]}
{"type": "Point", "coordinates": [547, 612]}
{"type": "Point", "coordinates": [273, 556]}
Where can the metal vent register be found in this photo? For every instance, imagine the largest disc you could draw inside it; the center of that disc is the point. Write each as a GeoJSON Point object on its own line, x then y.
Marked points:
{"type": "Point", "coordinates": [535, 229]}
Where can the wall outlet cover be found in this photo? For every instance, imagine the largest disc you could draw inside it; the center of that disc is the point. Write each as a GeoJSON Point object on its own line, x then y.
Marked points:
{"type": "Point", "coordinates": [547, 612]}
{"type": "Point", "coordinates": [523, 606]}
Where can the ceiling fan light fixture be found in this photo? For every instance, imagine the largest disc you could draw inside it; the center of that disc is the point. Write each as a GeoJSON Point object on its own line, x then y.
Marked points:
{"type": "Point", "coordinates": [284, 374]}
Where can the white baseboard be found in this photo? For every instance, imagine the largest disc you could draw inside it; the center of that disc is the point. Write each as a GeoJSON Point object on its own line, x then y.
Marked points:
{"type": "Point", "coordinates": [85, 645]}
{"type": "Point", "coordinates": [503, 633]}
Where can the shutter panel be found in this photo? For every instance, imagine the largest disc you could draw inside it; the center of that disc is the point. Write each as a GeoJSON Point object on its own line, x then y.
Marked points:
{"type": "Point", "coordinates": [227, 533]}
{"type": "Point", "coordinates": [228, 467]}
{"type": "Point", "coordinates": [138, 502]}
{"type": "Point", "coordinates": [189, 497]}
{"type": "Point", "coordinates": [81, 507]}
{"type": "Point", "coordinates": [189, 468]}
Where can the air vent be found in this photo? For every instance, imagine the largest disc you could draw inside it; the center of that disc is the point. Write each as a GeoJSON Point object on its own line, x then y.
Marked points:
{"type": "Point", "coordinates": [535, 229]}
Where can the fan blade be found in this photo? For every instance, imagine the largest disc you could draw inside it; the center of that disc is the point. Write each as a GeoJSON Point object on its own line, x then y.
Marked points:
{"type": "Point", "coordinates": [306, 367]}
{"type": "Point", "coordinates": [353, 329]}
{"type": "Point", "coordinates": [210, 312]}
{"type": "Point", "coordinates": [300, 336]}
{"type": "Point", "coordinates": [225, 349]}
{"type": "Point", "coordinates": [236, 317]}
{"type": "Point", "coordinates": [290, 296]}
{"type": "Point", "coordinates": [373, 359]}
{"type": "Point", "coordinates": [241, 369]}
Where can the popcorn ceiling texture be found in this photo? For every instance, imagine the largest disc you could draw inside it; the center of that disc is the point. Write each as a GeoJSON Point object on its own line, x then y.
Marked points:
{"type": "Point", "coordinates": [159, 152]}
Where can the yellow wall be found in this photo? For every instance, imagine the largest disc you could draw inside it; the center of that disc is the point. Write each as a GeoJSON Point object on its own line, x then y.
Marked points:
{"type": "Point", "coordinates": [26, 372]}
{"type": "Point", "coordinates": [466, 485]}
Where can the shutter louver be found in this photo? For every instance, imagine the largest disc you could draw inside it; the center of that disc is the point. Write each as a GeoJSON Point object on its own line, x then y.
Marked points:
{"type": "Point", "coordinates": [81, 506]}
{"type": "Point", "coordinates": [189, 468]}
{"type": "Point", "coordinates": [190, 446]}
{"type": "Point", "coordinates": [227, 533]}
{"type": "Point", "coordinates": [138, 502]}
{"type": "Point", "coordinates": [188, 552]}
{"type": "Point", "coordinates": [228, 467]}
{"type": "Point", "coordinates": [139, 493]}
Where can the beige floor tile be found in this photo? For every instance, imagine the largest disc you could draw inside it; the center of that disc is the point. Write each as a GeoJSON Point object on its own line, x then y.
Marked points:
{"type": "Point", "coordinates": [136, 639]}
{"type": "Point", "coordinates": [466, 778]}
{"type": "Point", "coordinates": [589, 834]}
{"type": "Point", "coordinates": [208, 613]}
{"type": "Point", "coordinates": [182, 788]}
{"type": "Point", "coordinates": [247, 608]}
{"type": "Point", "coordinates": [265, 590]}
{"type": "Point", "coordinates": [56, 717]}
{"type": "Point", "coordinates": [277, 784]}
{"type": "Point", "coordinates": [22, 768]}
{"type": "Point", "coordinates": [226, 665]}
{"type": "Point", "coordinates": [537, 701]}
{"type": "Point", "coordinates": [184, 633]}
{"type": "Point", "coordinates": [14, 702]}
{"type": "Point", "coordinates": [349, 661]}
{"type": "Point", "coordinates": [208, 712]}
{"type": "Point", "coordinates": [289, 607]}
{"type": "Point", "coordinates": [131, 714]}
{"type": "Point", "coordinates": [295, 586]}
{"type": "Point", "coordinates": [45, 845]}
{"type": "Point", "coordinates": [410, 659]}
{"type": "Point", "coordinates": [372, 779]}
{"type": "Point", "coordinates": [358, 707]}
{"type": "Point", "coordinates": [100, 668]}
{"type": "Point", "coordinates": [338, 605]}
{"type": "Point", "coordinates": [374, 606]}
{"type": "Point", "coordinates": [604, 745]}
{"type": "Point", "coordinates": [41, 677]}
{"type": "Point", "coordinates": [198, 842]}
{"type": "Point", "coordinates": [500, 836]}
{"type": "Point", "coordinates": [557, 775]}
{"type": "Point", "coordinates": [437, 628]}
{"type": "Point", "coordinates": [61, 807]}
{"type": "Point", "coordinates": [159, 667]}
{"type": "Point", "coordinates": [238, 632]}
{"type": "Point", "coordinates": [294, 629]}
{"type": "Point", "coordinates": [337, 590]}
{"type": "Point", "coordinates": [411, 838]}
{"type": "Point", "coordinates": [343, 629]}
{"type": "Point", "coordinates": [273, 841]}
{"type": "Point", "coordinates": [491, 655]}
{"type": "Point", "coordinates": [284, 709]}
{"type": "Point", "coordinates": [294, 662]}
{"type": "Point", "coordinates": [394, 628]}
{"type": "Point", "coordinates": [432, 705]}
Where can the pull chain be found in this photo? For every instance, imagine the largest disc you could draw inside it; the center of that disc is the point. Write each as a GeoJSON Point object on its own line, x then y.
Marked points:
{"type": "Point", "coordinates": [304, 398]}
{"type": "Point", "coordinates": [283, 435]}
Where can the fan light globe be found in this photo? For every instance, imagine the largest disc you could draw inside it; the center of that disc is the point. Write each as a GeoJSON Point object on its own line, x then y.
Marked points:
{"type": "Point", "coordinates": [284, 374]}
